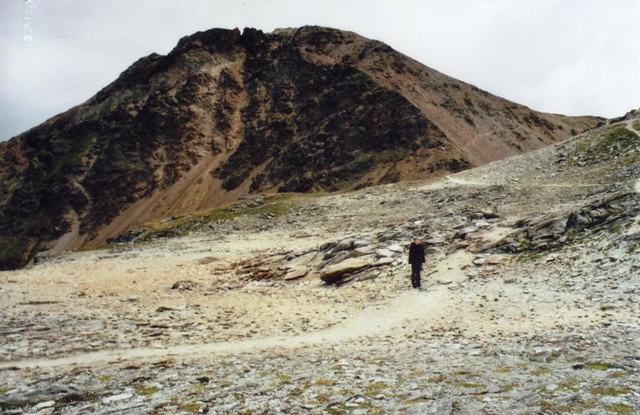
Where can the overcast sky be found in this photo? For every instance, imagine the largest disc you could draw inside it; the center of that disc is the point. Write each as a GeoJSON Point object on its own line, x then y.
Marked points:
{"type": "Point", "coordinates": [572, 57]}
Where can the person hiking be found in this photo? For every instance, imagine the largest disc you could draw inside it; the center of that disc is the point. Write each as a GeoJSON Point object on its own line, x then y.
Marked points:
{"type": "Point", "coordinates": [416, 259]}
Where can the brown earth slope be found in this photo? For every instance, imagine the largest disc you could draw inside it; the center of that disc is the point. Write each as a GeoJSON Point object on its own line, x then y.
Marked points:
{"type": "Point", "coordinates": [227, 114]}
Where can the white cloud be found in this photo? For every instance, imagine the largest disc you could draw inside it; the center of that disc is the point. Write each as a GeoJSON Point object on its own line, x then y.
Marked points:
{"type": "Point", "coordinates": [553, 55]}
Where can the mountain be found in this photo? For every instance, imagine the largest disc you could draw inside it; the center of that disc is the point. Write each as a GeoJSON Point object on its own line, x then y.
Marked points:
{"type": "Point", "coordinates": [227, 114]}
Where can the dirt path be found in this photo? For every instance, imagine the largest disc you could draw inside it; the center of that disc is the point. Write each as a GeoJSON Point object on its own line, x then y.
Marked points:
{"type": "Point", "coordinates": [370, 322]}
{"type": "Point", "coordinates": [466, 182]}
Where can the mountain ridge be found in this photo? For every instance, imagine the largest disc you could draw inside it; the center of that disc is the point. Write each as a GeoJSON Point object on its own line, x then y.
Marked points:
{"type": "Point", "coordinates": [227, 113]}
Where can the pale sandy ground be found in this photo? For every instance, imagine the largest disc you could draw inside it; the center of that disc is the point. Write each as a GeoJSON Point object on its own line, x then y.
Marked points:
{"type": "Point", "coordinates": [102, 286]}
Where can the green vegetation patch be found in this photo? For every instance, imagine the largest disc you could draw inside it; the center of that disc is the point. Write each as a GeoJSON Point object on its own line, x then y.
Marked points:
{"type": "Point", "coordinates": [540, 371]}
{"type": "Point", "coordinates": [270, 206]}
{"type": "Point", "coordinates": [376, 387]}
{"type": "Point", "coordinates": [574, 407]}
{"type": "Point", "coordinates": [600, 366]}
{"type": "Point", "coordinates": [325, 382]}
{"type": "Point", "coordinates": [614, 141]}
{"type": "Point", "coordinates": [610, 391]}
{"type": "Point", "coordinates": [502, 370]}
{"type": "Point", "coordinates": [192, 407]}
{"type": "Point", "coordinates": [283, 378]}
{"type": "Point", "coordinates": [619, 408]}
{"type": "Point", "coordinates": [146, 389]}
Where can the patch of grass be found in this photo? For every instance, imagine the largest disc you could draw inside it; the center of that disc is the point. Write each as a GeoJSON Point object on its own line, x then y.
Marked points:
{"type": "Point", "coordinates": [296, 392]}
{"type": "Point", "coordinates": [283, 378]}
{"type": "Point", "coordinates": [619, 408]}
{"type": "Point", "coordinates": [569, 384]}
{"type": "Point", "coordinates": [502, 370]}
{"type": "Point", "coordinates": [509, 386]}
{"type": "Point", "coordinates": [192, 407]}
{"type": "Point", "coordinates": [106, 378]}
{"type": "Point", "coordinates": [325, 382]}
{"type": "Point", "coordinates": [271, 205]}
{"type": "Point", "coordinates": [574, 407]}
{"type": "Point", "coordinates": [619, 374]}
{"type": "Point", "coordinates": [4, 390]}
{"type": "Point", "coordinates": [540, 371]}
{"type": "Point", "coordinates": [376, 387]}
{"type": "Point", "coordinates": [599, 366]}
{"type": "Point", "coordinates": [417, 373]}
{"type": "Point", "coordinates": [614, 141]}
{"type": "Point", "coordinates": [199, 388]}
{"type": "Point", "coordinates": [610, 391]}
{"type": "Point", "coordinates": [380, 360]}
{"type": "Point", "coordinates": [437, 378]}
{"type": "Point", "coordinates": [145, 389]}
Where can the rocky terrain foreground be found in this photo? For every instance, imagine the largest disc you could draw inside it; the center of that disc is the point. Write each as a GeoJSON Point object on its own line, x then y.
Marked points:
{"type": "Point", "coordinates": [302, 304]}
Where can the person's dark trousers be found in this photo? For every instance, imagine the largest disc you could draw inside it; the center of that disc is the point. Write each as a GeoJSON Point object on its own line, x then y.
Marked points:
{"type": "Point", "coordinates": [415, 275]}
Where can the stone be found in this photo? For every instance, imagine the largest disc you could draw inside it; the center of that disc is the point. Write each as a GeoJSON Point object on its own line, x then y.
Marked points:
{"type": "Point", "coordinates": [493, 260]}
{"type": "Point", "coordinates": [296, 273]}
{"type": "Point", "coordinates": [385, 253]}
{"type": "Point", "coordinates": [117, 398]}
{"type": "Point", "coordinates": [442, 406]}
{"type": "Point", "coordinates": [360, 243]}
{"type": "Point", "coordinates": [395, 248]}
{"type": "Point", "coordinates": [490, 215]}
{"type": "Point", "coordinates": [344, 245]}
{"type": "Point", "coordinates": [482, 224]}
{"type": "Point", "coordinates": [479, 261]}
{"type": "Point", "coordinates": [335, 272]}
{"type": "Point", "coordinates": [185, 285]}
{"type": "Point", "coordinates": [540, 355]}
{"type": "Point", "coordinates": [43, 405]}
{"type": "Point", "coordinates": [434, 240]}
{"type": "Point", "coordinates": [390, 235]}
{"type": "Point", "coordinates": [384, 261]}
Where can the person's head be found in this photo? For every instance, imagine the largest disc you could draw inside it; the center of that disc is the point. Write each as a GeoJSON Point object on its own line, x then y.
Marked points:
{"type": "Point", "coordinates": [416, 241]}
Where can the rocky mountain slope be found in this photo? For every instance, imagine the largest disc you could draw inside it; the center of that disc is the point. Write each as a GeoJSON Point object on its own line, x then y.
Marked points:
{"type": "Point", "coordinates": [296, 304]}
{"type": "Point", "coordinates": [227, 114]}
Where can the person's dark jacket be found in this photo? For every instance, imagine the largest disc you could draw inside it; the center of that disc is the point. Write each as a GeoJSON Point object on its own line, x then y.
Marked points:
{"type": "Point", "coordinates": [416, 254]}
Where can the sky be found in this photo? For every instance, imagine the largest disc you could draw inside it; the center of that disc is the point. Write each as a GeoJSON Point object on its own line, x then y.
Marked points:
{"type": "Point", "coordinates": [573, 57]}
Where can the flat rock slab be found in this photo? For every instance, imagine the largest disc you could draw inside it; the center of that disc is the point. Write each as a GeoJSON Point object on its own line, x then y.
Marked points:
{"type": "Point", "coordinates": [335, 272]}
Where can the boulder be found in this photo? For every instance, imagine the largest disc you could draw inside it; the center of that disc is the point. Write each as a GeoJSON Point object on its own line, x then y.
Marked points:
{"type": "Point", "coordinates": [296, 273]}
{"type": "Point", "coordinates": [333, 273]}
{"type": "Point", "coordinates": [344, 245]}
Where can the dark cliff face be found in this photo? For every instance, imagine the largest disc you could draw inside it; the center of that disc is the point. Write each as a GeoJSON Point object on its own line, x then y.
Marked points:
{"type": "Point", "coordinates": [229, 113]}
{"type": "Point", "coordinates": [318, 127]}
